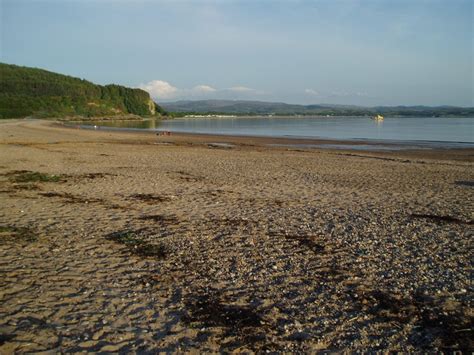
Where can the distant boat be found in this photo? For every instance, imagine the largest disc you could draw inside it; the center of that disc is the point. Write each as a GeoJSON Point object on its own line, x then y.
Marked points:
{"type": "Point", "coordinates": [378, 118]}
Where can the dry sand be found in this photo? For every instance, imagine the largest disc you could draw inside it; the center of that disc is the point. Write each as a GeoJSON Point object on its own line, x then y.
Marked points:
{"type": "Point", "coordinates": [141, 243]}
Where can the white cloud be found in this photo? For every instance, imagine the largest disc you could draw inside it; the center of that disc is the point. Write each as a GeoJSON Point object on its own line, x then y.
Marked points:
{"type": "Point", "coordinates": [163, 90]}
{"type": "Point", "coordinates": [241, 89]}
{"type": "Point", "coordinates": [160, 89]}
{"type": "Point", "coordinates": [312, 92]}
{"type": "Point", "coordinates": [349, 93]}
{"type": "Point", "coordinates": [203, 89]}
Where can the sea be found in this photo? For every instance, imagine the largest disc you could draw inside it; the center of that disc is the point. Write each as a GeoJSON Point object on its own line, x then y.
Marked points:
{"type": "Point", "coordinates": [429, 132]}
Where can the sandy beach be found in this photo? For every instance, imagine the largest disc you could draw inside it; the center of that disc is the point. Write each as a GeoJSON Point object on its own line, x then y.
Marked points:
{"type": "Point", "coordinates": [133, 242]}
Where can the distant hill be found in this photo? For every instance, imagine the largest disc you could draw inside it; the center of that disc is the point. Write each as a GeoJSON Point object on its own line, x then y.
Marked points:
{"type": "Point", "coordinates": [35, 92]}
{"type": "Point", "coordinates": [242, 107]}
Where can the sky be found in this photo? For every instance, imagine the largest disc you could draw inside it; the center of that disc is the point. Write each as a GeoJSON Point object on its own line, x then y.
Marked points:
{"type": "Point", "coordinates": [373, 52]}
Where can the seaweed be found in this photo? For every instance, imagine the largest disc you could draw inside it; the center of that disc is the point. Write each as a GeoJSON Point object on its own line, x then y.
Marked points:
{"type": "Point", "coordinates": [150, 198]}
{"type": "Point", "coordinates": [136, 244]}
{"type": "Point", "coordinates": [449, 329]}
{"type": "Point", "coordinates": [16, 234]}
{"type": "Point", "coordinates": [159, 218]}
{"type": "Point", "coordinates": [464, 183]}
{"type": "Point", "coordinates": [242, 324]}
{"type": "Point", "coordinates": [70, 198]}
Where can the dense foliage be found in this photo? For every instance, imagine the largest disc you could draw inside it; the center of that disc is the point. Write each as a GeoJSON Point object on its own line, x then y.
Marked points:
{"type": "Point", "coordinates": [35, 92]}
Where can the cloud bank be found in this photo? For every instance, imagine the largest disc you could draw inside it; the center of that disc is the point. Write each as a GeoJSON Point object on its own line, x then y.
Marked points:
{"type": "Point", "coordinates": [160, 89]}
{"type": "Point", "coordinates": [163, 90]}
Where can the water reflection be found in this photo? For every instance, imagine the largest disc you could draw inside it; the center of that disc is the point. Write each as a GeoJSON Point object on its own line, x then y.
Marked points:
{"type": "Point", "coordinates": [440, 129]}
{"type": "Point", "coordinates": [132, 124]}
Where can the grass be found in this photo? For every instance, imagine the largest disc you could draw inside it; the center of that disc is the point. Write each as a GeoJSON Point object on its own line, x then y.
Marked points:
{"type": "Point", "coordinates": [26, 176]}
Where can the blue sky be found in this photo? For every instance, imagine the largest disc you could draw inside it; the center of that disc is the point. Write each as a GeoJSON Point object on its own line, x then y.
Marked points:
{"type": "Point", "coordinates": [379, 52]}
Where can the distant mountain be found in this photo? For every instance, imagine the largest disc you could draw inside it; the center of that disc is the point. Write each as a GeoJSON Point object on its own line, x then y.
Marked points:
{"type": "Point", "coordinates": [233, 107]}
{"type": "Point", "coordinates": [35, 92]}
{"type": "Point", "coordinates": [243, 107]}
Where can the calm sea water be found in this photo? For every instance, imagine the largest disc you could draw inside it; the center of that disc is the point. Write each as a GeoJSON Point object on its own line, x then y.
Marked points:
{"type": "Point", "coordinates": [434, 129]}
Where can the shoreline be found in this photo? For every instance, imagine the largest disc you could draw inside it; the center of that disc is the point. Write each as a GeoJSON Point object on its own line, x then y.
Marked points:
{"type": "Point", "coordinates": [132, 242]}
{"type": "Point", "coordinates": [298, 142]}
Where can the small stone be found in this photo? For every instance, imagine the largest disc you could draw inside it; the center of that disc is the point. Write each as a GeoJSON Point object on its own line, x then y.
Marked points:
{"type": "Point", "coordinates": [112, 347]}
{"type": "Point", "coordinates": [87, 344]}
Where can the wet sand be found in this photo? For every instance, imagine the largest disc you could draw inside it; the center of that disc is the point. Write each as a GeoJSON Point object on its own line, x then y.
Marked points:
{"type": "Point", "coordinates": [132, 242]}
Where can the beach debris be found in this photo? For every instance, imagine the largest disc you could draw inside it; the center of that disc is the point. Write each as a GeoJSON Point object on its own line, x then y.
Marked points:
{"type": "Point", "coordinates": [221, 145]}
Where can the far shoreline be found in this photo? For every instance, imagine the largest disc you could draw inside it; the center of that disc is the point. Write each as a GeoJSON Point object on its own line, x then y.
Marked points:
{"type": "Point", "coordinates": [147, 137]}
{"type": "Point", "coordinates": [302, 142]}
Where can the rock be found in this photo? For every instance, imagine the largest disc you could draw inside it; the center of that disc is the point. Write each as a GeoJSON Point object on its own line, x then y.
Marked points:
{"type": "Point", "coordinates": [113, 348]}
{"type": "Point", "coordinates": [299, 336]}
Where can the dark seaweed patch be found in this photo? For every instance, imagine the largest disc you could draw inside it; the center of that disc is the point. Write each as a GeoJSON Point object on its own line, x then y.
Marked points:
{"type": "Point", "coordinates": [136, 243]}
{"type": "Point", "coordinates": [386, 306]}
{"type": "Point", "coordinates": [92, 176]}
{"type": "Point", "coordinates": [449, 329]}
{"type": "Point", "coordinates": [4, 338]}
{"type": "Point", "coordinates": [150, 198]}
{"type": "Point", "coordinates": [242, 325]}
{"type": "Point", "coordinates": [212, 313]}
{"type": "Point", "coordinates": [70, 197]}
{"type": "Point", "coordinates": [16, 234]}
{"type": "Point", "coordinates": [308, 241]}
{"type": "Point", "coordinates": [183, 175]}
{"type": "Point", "coordinates": [464, 183]}
{"type": "Point", "coordinates": [160, 219]}
{"type": "Point", "coordinates": [208, 309]}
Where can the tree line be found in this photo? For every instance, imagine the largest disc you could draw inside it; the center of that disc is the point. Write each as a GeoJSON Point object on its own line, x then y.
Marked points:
{"type": "Point", "coordinates": [35, 92]}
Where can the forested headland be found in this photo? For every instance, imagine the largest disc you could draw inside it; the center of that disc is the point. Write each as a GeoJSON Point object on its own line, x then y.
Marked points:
{"type": "Point", "coordinates": [40, 93]}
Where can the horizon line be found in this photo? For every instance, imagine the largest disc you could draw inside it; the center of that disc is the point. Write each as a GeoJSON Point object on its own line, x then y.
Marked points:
{"type": "Point", "coordinates": [312, 104]}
